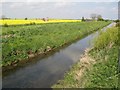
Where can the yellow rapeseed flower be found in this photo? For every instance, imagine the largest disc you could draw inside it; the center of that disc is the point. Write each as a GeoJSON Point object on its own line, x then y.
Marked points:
{"type": "Point", "coordinates": [18, 22]}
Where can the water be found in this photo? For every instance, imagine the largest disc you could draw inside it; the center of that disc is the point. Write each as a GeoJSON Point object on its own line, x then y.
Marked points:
{"type": "Point", "coordinates": [43, 73]}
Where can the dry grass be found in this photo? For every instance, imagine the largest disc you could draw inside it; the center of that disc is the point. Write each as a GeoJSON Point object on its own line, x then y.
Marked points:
{"type": "Point", "coordinates": [85, 63]}
{"type": "Point", "coordinates": [77, 73]}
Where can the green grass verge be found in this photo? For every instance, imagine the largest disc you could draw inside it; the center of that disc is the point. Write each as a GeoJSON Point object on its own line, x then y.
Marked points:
{"type": "Point", "coordinates": [104, 73]}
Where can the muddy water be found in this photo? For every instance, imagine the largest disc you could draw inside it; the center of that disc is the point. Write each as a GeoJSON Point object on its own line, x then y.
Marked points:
{"type": "Point", "coordinates": [45, 72]}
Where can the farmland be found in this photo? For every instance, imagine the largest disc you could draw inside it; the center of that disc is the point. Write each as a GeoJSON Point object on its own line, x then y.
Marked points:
{"type": "Point", "coordinates": [33, 21]}
{"type": "Point", "coordinates": [59, 44]}
{"type": "Point", "coordinates": [98, 68]}
{"type": "Point", "coordinates": [23, 42]}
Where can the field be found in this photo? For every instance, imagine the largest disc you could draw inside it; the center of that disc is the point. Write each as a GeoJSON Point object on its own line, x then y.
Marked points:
{"type": "Point", "coordinates": [23, 42]}
{"type": "Point", "coordinates": [98, 68]}
{"type": "Point", "coordinates": [24, 22]}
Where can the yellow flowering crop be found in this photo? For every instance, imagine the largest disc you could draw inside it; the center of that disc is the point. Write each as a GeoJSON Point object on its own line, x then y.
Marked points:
{"type": "Point", "coordinates": [18, 22]}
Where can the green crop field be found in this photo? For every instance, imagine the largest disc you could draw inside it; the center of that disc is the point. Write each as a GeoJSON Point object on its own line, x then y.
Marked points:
{"type": "Point", "coordinates": [23, 42]}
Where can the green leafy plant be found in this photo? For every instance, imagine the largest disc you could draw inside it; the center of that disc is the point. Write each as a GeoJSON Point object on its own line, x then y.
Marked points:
{"type": "Point", "coordinates": [39, 37]}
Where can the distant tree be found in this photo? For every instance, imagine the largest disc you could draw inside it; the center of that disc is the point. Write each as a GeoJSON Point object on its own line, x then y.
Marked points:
{"type": "Point", "coordinates": [3, 17]}
{"type": "Point", "coordinates": [106, 20]}
{"type": "Point", "coordinates": [83, 19]}
{"type": "Point", "coordinates": [93, 16]}
{"type": "Point", "coordinates": [47, 19]}
{"type": "Point", "coordinates": [118, 24]}
{"type": "Point", "coordinates": [99, 18]}
{"type": "Point", "coordinates": [117, 20]}
{"type": "Point", "coordinates": [5, 25]}
{"type": "Point", "coordinates": [26, 18]}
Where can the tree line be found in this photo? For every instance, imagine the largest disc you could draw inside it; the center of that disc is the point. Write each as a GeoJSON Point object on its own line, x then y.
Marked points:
{"type": "Point", "coordinates": [94, 17]}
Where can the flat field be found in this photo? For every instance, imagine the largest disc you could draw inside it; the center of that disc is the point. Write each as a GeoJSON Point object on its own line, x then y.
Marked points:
{"type": "Point", "coordinates": [25, 41]}
{"type": "Point", "coordinates": [33, 21]}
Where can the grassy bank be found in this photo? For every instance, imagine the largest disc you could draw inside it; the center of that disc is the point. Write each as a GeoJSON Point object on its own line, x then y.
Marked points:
{"type": "Point", "coordinates": [104, 73]}
{"type": "Point", "coordinates": [98, 67]}
{"type": "Point", "coordinates": [24, 42]}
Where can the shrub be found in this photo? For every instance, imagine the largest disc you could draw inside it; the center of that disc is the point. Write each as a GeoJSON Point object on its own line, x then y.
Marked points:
{"type": "Point", "coordinates": [32, 23]}
{"type": "Point", "coordinates": [107, 37]}
{"type": "Point", "coordinates": [5, 25]}
{"type": "Point", "coordinates": [83, 19]}
{"type": "Point", "coordinates": [117, 21]}
{"type": "Point", "coordinates": [26, 18]}
{"type": "Point", "coordinates": [118, 24]}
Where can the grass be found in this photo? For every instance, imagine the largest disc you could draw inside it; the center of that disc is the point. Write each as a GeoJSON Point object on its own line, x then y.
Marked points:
{"type": "Point", "coordinates": [106, 38]}
{"type": "Point", "coordinates": [98, 68]}
{"type": "Point", "coordinates": [23, 42]}
{"type": "Point", "coordinates": [104, 73]}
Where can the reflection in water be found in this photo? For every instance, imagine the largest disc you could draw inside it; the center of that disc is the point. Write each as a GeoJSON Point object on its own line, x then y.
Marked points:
{"type": "Point", "coordinates": [47, 71]}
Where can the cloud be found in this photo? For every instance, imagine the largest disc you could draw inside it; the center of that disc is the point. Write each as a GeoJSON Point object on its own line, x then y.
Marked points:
{"type": "Point", "coordinates": [56, 3]}
{"type": "Point", "coordinates": [40, 5]}
{"type": "Point", "coordinates": [59, 0]}
{"type": "Point", "coordinates": [97, 10]}
{"type": "Point", "coordinates": [63, 4]}
{"type": "Point", "coordinates": [60, 4]}
{"type": "Point", "coordinates": [16, 5]}
{"type": "Point", "coordinates": [115, 9]}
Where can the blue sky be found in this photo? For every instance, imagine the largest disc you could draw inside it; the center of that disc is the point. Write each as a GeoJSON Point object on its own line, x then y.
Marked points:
{"type": "Point", "coordinates": [64, 10]}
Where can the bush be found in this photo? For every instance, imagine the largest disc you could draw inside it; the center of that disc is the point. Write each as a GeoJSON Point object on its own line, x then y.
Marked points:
{"type": "Point", "coordinates": [32, 23]}
{"type": "Point", "coordinates": [106, 20]}
{"type": "Point", "coordinates": [118, 24]}
{"type": "Point", "coordinates": [107, 37]}
{"type": "Point", "coordinates": [83, 19]}
{"type": "Point", "coordinates": [26, 18]}
{"type": "Point", "coordinates": [5, 25]}
{"type": "Point", "coordinates": [117, 21]}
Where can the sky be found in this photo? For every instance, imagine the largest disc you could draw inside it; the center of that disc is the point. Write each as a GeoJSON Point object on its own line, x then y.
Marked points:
{"type": "Point", "coordinates": [59, 10]}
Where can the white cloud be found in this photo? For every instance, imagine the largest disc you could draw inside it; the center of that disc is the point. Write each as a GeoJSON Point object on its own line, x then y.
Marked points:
{"type": "Point", "coordinates": [60, 0]}
{"type": "Point", "coordinates": [60, 4]}
{"type": "Point", "coordinates": [115, 9]}
{"type": "Point", "coordinates": [97, 10]}
{"type": "Point", "coordinates": [40, 5]}
{"type": "Point", "coordinates": [16, 5]}
{"type": "Point", "coordinates": [63, 4]}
